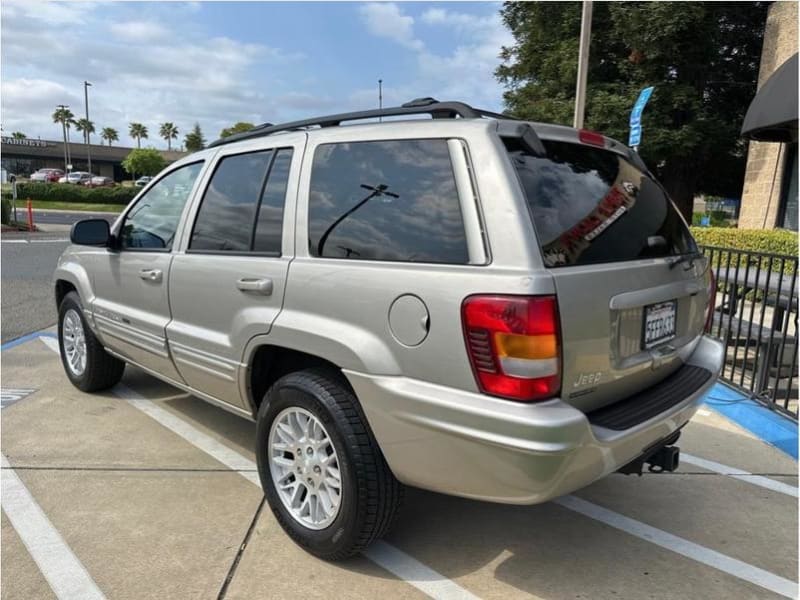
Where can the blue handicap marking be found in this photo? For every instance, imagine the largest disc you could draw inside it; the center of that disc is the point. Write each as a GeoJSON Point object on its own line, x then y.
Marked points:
{"type": "Point", "coordinates": [9, 396]}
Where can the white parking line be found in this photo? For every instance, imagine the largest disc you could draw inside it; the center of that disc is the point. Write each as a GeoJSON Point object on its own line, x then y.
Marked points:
{"type": "Point", "coordinates": [759, 480]}
{"type": "Point", "coordinates": [701, 554]}
{"type": "Point", "coordinates": [51, 343]}
{"type": "Point", "coordinates": [228, 457]}
{"type": "Point", "coordinates": [390, 558]}
{"type": "Point", "coordinates": [436, 585]}
{"type": "Point", "coordinates": [61, 568]}
{"type": "Point", "coordinates": [36, 241]}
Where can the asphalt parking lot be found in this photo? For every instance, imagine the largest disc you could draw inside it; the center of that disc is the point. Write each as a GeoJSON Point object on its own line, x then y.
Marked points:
{"type": "Point", "coordinates": [28, 261]}
{"type": "Point", "coordinates": [146, 492]}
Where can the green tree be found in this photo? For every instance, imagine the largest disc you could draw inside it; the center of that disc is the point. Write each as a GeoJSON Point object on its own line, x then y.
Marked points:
{"type": "Point", "coordinates": [702, 58]}
{"type": "Point", "coordinates": [240, 127]}
{"type": "Point", "coordinates": [109, 134]}
{"type": "Point", "coordinates": [137, 131]}
{"type": "Point", "coordinates": [169, 132]}
{"type": "Point", "coordinates": [194, 140]}
{"type": "Point", "coordinates": [85, 127]}
{"type": "Point", "coordinates": [144, 161]}
{"type": "Point", "coordinates": [18, 135]}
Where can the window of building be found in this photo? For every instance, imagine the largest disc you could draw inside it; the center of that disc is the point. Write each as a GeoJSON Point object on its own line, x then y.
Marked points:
{"type": "Point", "coordinates": [386, 200]}
{"type": "Point", "coordinates": [151, 224]}
{"type": "Point", "coordinates": [789, 214]}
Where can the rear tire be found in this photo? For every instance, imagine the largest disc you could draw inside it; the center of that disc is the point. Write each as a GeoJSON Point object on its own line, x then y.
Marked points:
{"type": "Point", "coordinates": [87, 365]}
{"type": "Point", "coordinates": [370, 496]}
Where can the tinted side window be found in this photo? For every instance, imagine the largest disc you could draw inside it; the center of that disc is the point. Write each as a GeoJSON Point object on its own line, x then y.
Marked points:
{"type": "Point", "coordinates": [227, 212]}
{"type": "Point", "coordinates": [392, 200]}
{"type": "Point", "coordinates": [269, 225]}
{"type": "Point", "coordinates": [152, 222]}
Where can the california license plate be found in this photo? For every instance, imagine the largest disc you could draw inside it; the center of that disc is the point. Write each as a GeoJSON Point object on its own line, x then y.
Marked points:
{"type": "Point", "coordinates": [659, 323]}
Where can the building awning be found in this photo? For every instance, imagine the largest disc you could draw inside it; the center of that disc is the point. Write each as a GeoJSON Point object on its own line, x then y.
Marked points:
{"type": "Point", "coordinates": [772, 116]}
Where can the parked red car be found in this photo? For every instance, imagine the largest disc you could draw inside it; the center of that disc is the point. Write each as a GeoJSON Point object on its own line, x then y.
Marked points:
{"type": "Point", "coordinates": [47, 175]}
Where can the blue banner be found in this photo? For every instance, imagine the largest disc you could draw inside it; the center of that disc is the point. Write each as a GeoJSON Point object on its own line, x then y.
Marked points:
{"type": "Point", "coordinates": [635, 137]}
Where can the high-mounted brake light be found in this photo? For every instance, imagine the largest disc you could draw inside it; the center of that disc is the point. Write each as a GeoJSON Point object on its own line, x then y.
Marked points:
{"type": "Point", "coordinates": [591, 137]}
{"type": "Point", "coordinates": [712, 300]}
{"type": "Point", "coordinates": [513, 345]}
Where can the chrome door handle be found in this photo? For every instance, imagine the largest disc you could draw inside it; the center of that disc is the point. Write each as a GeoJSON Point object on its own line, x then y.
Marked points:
{"type": "Point", "coordinates": [258, 286]}
{"type": "Point", "coordinates": [154, 275]}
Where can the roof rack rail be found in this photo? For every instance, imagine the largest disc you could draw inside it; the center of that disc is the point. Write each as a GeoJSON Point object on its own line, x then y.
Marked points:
{"type": "Point", "coordinates": [419, 106]}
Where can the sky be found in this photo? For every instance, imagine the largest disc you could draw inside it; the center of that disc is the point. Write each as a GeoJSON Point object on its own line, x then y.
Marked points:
{"type": "Point", "coordinates": [217, 63]}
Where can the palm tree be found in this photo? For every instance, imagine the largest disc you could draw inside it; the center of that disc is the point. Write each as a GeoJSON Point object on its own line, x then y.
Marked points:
{"type": "Point", "coordinates": [109, 134]}
{"type": "Point", "coordinates": [87, 127]}
{"type": "Point", "coordinates": [138, 131]}
{"type": "Point", "coordinates": [18, 135]}
{"type": "Point", "coordinates": [64, 116]}
{"type": "Point", "coordinates": [169, 132]}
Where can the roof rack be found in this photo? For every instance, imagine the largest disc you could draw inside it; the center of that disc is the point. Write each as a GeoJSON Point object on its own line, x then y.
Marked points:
{"type": "Point", "coordinates": [420, 106]}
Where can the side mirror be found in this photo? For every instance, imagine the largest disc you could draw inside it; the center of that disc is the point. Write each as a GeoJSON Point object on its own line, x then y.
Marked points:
{"type": "Point", "coordinates": [91, 232]}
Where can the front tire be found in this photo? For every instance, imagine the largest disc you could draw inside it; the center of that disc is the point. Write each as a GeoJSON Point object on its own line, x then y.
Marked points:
{"type": "Point", "coordinates": [322, 472]}
{"type": "Point", "coordinates": [87, 365]}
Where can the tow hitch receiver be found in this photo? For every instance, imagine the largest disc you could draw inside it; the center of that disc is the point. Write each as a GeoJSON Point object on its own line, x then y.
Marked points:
{"type": "Point", "coordinates": [659, 457]}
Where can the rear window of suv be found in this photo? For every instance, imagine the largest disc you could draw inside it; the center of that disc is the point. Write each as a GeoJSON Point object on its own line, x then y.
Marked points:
{"type": "Point", "coordinates": [591, 205]}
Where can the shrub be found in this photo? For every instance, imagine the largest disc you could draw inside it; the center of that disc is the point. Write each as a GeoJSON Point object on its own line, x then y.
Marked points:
{"type": "Point", "coordinates": [770, 241]}
{"type": "Point", "coordinates": [63, 192]}
{"type": "Point", "coordinates": [718, 218]}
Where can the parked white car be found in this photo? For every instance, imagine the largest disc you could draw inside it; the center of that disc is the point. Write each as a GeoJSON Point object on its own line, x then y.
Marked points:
{"type": "Point", "coordinates": [76, 177]}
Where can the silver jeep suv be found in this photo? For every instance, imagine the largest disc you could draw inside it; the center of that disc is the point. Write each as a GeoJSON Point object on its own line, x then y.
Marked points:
{"type": "Point", "coordinates": [470, 304]}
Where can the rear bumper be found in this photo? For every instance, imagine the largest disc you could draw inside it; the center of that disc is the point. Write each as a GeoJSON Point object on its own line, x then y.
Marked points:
{"type": "Point", "coordinates": [472, 445]}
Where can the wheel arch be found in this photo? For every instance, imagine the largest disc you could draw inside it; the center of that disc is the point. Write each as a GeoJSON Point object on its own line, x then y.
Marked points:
{"type": "Point", "coordinates": [269, 362]}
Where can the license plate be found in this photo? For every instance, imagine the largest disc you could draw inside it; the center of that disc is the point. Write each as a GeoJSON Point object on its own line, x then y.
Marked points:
{"type": "Point", "coordinates": [659, 323]}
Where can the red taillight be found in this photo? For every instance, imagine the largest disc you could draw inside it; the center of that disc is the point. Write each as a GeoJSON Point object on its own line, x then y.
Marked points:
{"type": "Point", "coordinates": [513, 345]}
{"type": "Point", "coordinates": [712, 299]}
{"type": "Point", "coordinates": [591, 137]}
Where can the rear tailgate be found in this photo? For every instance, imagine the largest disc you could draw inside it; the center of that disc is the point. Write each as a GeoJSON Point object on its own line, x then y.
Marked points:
{"type": "Point", "coordinates": [612, 240]}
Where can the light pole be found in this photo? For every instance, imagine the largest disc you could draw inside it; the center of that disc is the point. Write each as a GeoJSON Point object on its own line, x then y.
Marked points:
{"type": "Point", "coordinates": [64, 107]}
{"type": "Point", "coordinates": [380, 98]}
{"type": "Point", "coordinates": [583, 64]}
{"type": "Point", "coordinates": [87, 133]}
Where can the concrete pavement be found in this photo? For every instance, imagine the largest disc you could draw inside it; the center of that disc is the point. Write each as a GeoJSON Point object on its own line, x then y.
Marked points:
{"type": "Point", "coordinates": [149, 505]}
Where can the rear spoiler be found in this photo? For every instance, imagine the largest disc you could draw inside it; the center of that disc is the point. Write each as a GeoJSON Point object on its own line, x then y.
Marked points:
{"type": "Point", "coordinates": [524, 132]}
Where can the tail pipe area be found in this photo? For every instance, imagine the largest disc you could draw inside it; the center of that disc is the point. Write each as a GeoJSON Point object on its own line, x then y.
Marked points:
{"type": "Point", "coordinates": [661, 456]}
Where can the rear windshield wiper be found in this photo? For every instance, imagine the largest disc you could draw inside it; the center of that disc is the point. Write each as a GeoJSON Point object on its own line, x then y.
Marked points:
{"type": "Point", "coordinates": [685, 258]}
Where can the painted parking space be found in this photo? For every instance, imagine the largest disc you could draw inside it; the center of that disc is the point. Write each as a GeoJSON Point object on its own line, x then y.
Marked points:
{"type": "Point", "coordinates": [160, 503]}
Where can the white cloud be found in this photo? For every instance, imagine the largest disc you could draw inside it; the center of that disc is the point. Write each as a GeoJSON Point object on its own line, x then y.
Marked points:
{"type": "Point", "coordinates": [465, 73]}
{"type": "Point", "coordinates": [24, 96]}
{"type": "Point", "coordinates": [463, 21]}
{"type": "Point", "coordinates": [51, 13]}
{"type": "Point", "coordinates": [386, 20]}
{"type": "Point", "coordinates": [139, 31]}
{"type": "Point", "coordinates": [142, 71]}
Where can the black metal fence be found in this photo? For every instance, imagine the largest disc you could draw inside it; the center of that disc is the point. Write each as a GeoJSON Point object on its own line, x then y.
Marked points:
{"type": "Point", "coordinates": [756, 317]}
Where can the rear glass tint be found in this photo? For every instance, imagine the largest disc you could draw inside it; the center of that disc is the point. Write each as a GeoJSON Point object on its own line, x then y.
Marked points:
{"type": "Point", "coordinates": [591, 206]}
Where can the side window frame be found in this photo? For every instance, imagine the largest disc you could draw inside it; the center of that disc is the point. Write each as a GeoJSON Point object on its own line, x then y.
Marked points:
{"type": "Point", "coordinates": [118, 226]}
{"type": "Point", "coordinates": [296, 150]}
{"type": "Point", "coordinates": [466, 189]}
